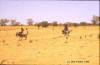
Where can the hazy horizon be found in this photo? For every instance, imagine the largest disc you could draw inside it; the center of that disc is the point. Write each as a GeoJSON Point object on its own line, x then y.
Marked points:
{"type": "Point", "coordinates": [61, 11]}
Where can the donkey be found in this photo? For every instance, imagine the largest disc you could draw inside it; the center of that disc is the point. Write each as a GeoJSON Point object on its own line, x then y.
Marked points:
{"type": "Point", "coordinates": [21, 35]}
{"type": "Point", "coordinates": [66, 33]}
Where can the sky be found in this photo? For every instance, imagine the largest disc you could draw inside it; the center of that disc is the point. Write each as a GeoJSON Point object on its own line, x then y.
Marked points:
{"type": "Point", "coordinates": [60, 11]}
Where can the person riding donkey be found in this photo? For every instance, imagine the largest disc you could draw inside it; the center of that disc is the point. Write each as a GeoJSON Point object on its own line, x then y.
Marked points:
{"type": "Point", "coordinates": [22, 33]}
{"type": "Point", "coordinates": [66, 30]}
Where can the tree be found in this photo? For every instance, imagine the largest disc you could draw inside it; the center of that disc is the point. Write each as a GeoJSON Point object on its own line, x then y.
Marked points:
{"type": "Point", "coordinates": [60, 24]}
{"type": "Point", "coordinates": [83, 23]}
{"type": "Point", "coordinates": [54, 24]}
{"type": "Point", "coordinates": [29, 21]}
{"type": "Point", "coordinates": [69, 23]}
{"type": "Point", "coordinates": [44, 23]}
{"type": "Point", "coordinates": [13, 22]}
{"type": "Point", "coordinates": [38, 25]}
{"type": "Point", "coordinates": [50, 24]}
{"type": "Point", "coordinates": [95, 20]}
{"type": "Point", "coordinates": [3, 22]}
{"type": "Point", "coordinates": [75, 24]}
{"type": "Point", "coordinates": [17, 23]}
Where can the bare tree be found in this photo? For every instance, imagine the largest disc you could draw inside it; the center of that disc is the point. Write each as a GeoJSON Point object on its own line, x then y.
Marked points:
{"type": "Point", "coordinates": [95, 20]}
{"type": "Point", "coordinates": [17, 23]}
{"type": "Point", "coordinates": [29, 21]}
{"type": "Point", "coordinates": [3, 22]}
{"type": "Point", "coordinates": [13, 22]}
{"type": "Point", "coordinates": [60, 24]}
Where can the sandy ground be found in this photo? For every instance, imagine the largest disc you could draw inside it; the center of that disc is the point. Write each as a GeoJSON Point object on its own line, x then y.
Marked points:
{"type": "Point", "coordinates": [48, 47]}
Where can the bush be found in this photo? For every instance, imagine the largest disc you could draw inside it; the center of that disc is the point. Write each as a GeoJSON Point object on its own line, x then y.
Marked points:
{"type": "Point", "coordinates": [44, 24]}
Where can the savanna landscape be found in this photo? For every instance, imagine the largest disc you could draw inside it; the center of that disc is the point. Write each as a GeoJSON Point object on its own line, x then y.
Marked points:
{"type": "Point", "coordinates": [45, 46]}
{"type": "Point", "coordinates": [49, 32]}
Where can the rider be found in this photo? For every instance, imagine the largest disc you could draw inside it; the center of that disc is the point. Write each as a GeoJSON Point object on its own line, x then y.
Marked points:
{"type": "Point", "coordinates": [22, 30]}
{"type": "Point", "coordinates": [66, 28]}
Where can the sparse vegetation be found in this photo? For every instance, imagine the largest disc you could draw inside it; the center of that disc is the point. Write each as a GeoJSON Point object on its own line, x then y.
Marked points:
{"type": "Point", "coordinates": [44, 44]}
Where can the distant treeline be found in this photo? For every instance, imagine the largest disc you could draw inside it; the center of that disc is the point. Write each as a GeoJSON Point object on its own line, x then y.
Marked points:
{"type": "Point", "coordinates": [3, 22]}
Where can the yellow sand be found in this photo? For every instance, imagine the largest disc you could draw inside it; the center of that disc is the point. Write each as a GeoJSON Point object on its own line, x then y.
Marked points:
{"type": "Point", "coordinates": [48, 47]}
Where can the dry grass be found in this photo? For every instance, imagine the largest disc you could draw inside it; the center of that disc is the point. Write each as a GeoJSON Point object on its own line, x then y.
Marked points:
{"type": "Point", "coordinates": [46, 47]}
